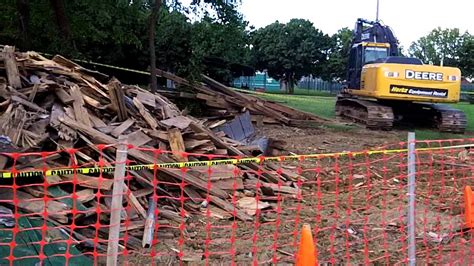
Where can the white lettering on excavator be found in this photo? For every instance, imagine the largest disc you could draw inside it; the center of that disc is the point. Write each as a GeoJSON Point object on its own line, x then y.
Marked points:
{"type": "Point", "coordinates": [410, 74]}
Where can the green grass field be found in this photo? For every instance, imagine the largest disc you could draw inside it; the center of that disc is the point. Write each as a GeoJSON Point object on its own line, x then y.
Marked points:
{"type": "Point", "coordinates": [306, 92]}
{"type": "Point", "coordinates": [324, 106]}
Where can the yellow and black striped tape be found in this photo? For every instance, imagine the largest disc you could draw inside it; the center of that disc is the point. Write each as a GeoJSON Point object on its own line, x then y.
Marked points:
{"type": "Point", "coordinates": [179, 165]}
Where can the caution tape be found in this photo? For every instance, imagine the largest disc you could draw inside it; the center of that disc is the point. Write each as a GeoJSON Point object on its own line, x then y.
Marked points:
{"type": "Point", "coordinates": [180, 165]}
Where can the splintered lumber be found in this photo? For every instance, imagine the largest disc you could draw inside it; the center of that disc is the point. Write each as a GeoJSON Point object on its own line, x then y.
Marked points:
{"type": "Point", "coordinates": [191, 144]}
{"type": "Point", "coordinates": [122, 128]}
{"type": "Point", "coordinates": [31, 204]}
{"type": "Point", "coordinates": [63, 95]}
{"type": "Point", "coordinates": [177, 143]}
{"type": "Point", "coordinates": [230, 208]}
{"type": "Point", "coordinates": [11, 67]}
{"type": "Point", "coordinates": [138, 138]}
{"type": "Point", "coordinates": [88, 181]}
{"type": "Point", "coordinates": [180, 122]}
{"type": "Point", "coordinates": [145, 114]}
{"type": "Point", "coordinates": [117, 99]}
{"type": "Point", "coordinates": [85, 195]}
{"type": "Point", "coordinates": [259, 106]}
{"type": "Point", "coordinates": [100, 137]}
{"type": "Point", "coordinates": [61, 106]}
{"type": "Point", "coordinates": [28, 104]}
{"type": "Point", "coordinates": [79, 111]}
{"type": "Point", "coordinates": [146, 98]}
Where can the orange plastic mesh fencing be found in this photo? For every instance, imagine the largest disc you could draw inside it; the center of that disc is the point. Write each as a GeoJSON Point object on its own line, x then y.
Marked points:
{"type": "Point", "coordinates": [55, 207]}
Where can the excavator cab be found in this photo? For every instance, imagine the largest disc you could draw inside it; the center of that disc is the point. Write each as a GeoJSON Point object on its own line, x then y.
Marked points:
{"type": "Point", "coordinates": [362, 54]}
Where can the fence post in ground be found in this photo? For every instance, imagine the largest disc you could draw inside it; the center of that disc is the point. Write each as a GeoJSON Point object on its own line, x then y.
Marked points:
{"type": "Point", "coordinates": [411, 198]}
{"type": "Point", "coordinates": [116, 206]}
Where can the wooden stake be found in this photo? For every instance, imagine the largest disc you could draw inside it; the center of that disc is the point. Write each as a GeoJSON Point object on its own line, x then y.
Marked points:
{"type": "Point", "coordinates": [117, 197]}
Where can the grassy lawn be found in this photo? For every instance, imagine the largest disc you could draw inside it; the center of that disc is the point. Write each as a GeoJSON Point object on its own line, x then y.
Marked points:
{"type": "Point", "coordinates": [306, 92]}
{"type": "Point", "coordinates": [319, 105]}
{"type": "Point", "coordinates": [324, 106]}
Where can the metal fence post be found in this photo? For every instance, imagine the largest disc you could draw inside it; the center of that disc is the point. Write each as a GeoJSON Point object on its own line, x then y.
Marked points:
{"type": "Point", "coordinates": [117, 197]}
{"type": "Point", "coordinates": [411, 198]}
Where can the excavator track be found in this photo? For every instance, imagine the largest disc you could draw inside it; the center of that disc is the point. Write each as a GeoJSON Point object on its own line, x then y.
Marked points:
{"type": "Point", "coordinates": [369, 113]}
{"type": "Point", "coordinates": [448, 119]}
{"type": "Point", "coordinates": [383, 115]}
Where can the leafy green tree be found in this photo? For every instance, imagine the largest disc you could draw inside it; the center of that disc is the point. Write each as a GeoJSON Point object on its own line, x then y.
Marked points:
{"type": "Point", "coordinates": [220, 42]}
{"type": "Point", "coordinates": [117, 32]}
{"type": "Point", "coordinates": [440, 45]}
{"type": "Point", "coordinates": [466, 58]}
{"type": "Point", "coordinates": [174, 46]}
{"type": "Point", "coordinates": [338, 55]}
{"type": "Point", "coordinates": [290, 51]}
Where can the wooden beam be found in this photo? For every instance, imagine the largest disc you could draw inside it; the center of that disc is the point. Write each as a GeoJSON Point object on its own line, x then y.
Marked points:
{"type": "Point", "coordinates": [11, 67]}
{"type": "Point", "coordinates": [122, 128]}
{"type": "Point", "coordinates": [28, 104]}
{"type": "Point", "coordinates": [177, 143]}
{"type": "Point", "coordinates": [138, 138]}
{"type": "Point", "coordinates": [117, 99]}
{"type": "Point", "coordinates": [63, 96]}
{"type": "Point", "coordinates": [145, 114]}
{"type": "Point", "coordinates": [230, 208]}
{"type": "Point", "coordinates": [82, 116]}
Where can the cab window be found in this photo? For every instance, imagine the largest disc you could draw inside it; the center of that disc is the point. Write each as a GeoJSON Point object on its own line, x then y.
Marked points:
{"type": "Point", "coordinates": [373, 53]}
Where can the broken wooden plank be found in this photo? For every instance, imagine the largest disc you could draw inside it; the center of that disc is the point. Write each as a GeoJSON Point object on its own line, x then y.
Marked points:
{"type": "Point", "coordinates": [56, 210]}
{"type": "Point", "coordinates": [177, 144]}
{"type": "Point", "coordinates": [161, 135]}
{"type": "Point", "coordinates": [89, 181]}
{"type": "Point", "coordinates": [138, 138]}
{"type": "Point", "coordinates": [3, 162]}
{"type": "Point", "coordinates": [181, 122]}
{"type": "Point", "coordinates": [192, 143]}
{"type": "Point", "coordinates": [33, 93]}
{"type": "Point", "coordinates": [229, 184]}
{"type": "Point", "coordinates": [97, 122]}
{"type": "Point", "coordinates": [117, 98]}
{"type": "Point", "coordinates": [230, 208]}
{"type": "Point", "coordinates": [250, 205]}
{"type": "Point", "coordinates": [63, 96]}
{"type": "Point", "coordinates": [82, 116]}
{"type": "Point", "coordinates": [145, 114]}
{"type": "Point", "coordinates": [146, 98]}
{"type": "Point", "coordinates": [28, 104]}
{"type": "Point", "coordinates": [122, 128]}
{"type": "Point", "coordinates": [85, 195]}
{"type": "Point", "coordinates": [11, 67]}
{"type": "Point", "coordinates": [100, 137]}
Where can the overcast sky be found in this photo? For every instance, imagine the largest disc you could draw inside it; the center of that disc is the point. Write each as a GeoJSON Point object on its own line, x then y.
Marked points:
{"type": "Point", "coordinates": [409, 19]}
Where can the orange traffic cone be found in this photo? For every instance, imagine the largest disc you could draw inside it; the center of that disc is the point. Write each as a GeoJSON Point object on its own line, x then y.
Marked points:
{"type": "Point", "coordinates": [306, 255]}
{"type": "Point", "coordinates": [469, 207]}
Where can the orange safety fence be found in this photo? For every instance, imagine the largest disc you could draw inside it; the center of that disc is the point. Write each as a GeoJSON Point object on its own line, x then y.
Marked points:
{"type": "Point", "coordinates": [55, 207]}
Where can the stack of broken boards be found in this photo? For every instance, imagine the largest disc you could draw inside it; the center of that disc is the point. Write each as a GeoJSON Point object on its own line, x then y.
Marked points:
{"type": "Point", "coordinates": [55, 105]}
{"type": "Point", "coordinates": [223, 101]}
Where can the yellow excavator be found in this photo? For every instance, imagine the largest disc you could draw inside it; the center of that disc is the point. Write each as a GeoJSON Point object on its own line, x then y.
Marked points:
{"type": "Point", "coordinates": [384, 88]}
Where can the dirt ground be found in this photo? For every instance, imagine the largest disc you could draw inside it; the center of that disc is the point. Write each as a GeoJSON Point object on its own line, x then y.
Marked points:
{"type": "Point", "coordinates": [356, 207]}
{"type": "Point", "coordinates": [326, 140]}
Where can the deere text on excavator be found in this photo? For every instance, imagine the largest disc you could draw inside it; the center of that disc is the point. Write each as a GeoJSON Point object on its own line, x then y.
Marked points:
{"type": "Point", "coordinates": [384, 88]}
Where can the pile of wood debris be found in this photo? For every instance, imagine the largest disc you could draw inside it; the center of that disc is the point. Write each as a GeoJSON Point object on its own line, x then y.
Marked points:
{"type": "Point", "coordinates": [223, 102]}
{"type": "Point", "coordinates": [55, 104]}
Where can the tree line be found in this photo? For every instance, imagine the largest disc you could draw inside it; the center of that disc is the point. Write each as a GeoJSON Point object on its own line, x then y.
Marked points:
{"type": "Point", "coordinates": [218, 42]}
